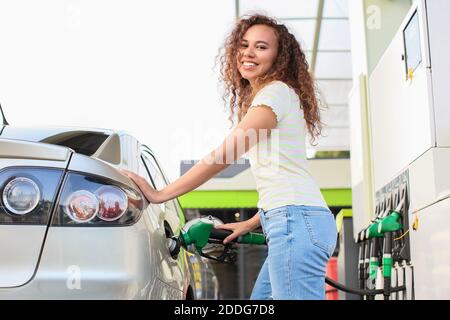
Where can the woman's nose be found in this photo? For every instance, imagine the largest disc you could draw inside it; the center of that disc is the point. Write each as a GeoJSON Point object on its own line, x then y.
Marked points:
{"type": "Point", "coordinates": [248, 52]}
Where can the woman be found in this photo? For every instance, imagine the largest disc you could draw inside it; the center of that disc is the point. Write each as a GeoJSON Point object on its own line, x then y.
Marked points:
{"type": "Point", "coordinates": [268, 85]}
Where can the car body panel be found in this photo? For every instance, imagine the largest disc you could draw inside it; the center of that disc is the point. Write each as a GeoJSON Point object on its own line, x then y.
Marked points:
{"type": "Point", "coordinates": [82, 163]}
{"type": "Point", "coordinates": [17, 269]}
{"type": "Point", "coordinates": [96, 263]}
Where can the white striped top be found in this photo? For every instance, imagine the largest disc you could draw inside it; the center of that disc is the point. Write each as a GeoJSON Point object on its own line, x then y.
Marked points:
{"type": "Point", "coordinates": [279, 163]}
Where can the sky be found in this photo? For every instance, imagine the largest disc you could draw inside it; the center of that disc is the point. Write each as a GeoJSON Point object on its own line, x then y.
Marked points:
{"type": "Point", "coordinates": [146, 67]}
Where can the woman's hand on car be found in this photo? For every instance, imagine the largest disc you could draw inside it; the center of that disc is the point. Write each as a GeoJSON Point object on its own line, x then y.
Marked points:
{"type": "Point", "coordinates": [150, 193]}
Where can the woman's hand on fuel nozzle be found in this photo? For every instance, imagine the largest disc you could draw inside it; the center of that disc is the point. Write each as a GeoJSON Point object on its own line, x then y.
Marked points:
{"type": "Point", "coordinates": [151, 194]}
{"type": "Point", "coordinates": [238, 228]}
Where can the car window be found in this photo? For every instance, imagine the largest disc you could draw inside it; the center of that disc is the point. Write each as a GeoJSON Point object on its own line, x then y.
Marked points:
{"type": "Point", "coordinates": [144, 173]}
{"type": "Point", "coordinates": [154, 171]}
{"type": "Point", "coordinates": [174, 214]}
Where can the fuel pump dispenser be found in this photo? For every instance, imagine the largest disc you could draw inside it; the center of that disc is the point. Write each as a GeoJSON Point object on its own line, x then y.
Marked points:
{"type": "Point", "coordinates": [386, 242]}
{"type": "Point", "coordinates": [407, 119]}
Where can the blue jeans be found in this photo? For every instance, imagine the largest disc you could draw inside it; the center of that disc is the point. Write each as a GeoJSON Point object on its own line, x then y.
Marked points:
{"type": "Point", "coordinates": [300, 241]}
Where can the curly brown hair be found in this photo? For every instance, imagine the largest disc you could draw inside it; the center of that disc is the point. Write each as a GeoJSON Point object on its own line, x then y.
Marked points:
{"type": "Point", "coordinates": [290, 66]}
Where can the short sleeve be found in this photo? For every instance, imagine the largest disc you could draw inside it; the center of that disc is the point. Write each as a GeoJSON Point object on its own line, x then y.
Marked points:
{"type": "Point", "coordinates": [275, 95]}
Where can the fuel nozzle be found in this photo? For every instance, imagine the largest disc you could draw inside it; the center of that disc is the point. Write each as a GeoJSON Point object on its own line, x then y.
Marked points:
{"type": "Point", "coordinates": [392, 222]}
{"type": "Point", "coordinates": [249, 238]}
{"type": "Point", "coordinates": [201, 232]}
{"type": "Point", "coordinates": [194, 232]}
{"type": "Point", "coordinates": [174, 245]}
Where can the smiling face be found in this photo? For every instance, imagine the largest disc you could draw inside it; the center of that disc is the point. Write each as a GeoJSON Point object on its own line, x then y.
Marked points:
{"type": "Point", "coordinates": [258, 51]}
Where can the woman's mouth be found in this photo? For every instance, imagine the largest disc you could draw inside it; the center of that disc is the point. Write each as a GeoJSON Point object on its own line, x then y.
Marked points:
{"type": "Point", "coordinates": [249, 65]}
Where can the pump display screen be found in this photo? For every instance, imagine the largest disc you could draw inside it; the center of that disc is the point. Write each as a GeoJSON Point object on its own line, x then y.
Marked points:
{"type": "Point", "coordinates": [411, 34]}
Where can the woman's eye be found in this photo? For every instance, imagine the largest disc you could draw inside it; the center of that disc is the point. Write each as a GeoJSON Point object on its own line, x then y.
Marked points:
{"type": "Point", "coordinates": [243, 45]}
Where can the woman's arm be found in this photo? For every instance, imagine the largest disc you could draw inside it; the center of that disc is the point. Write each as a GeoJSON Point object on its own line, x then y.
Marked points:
{"type": "Point", "coordinates": [253, 127]}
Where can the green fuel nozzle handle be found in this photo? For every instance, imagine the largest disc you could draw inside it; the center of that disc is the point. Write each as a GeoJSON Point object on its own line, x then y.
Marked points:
{"type": "Point", "coordinates": [372, 231]}
{"type": "Point", "coordinates": [248, 238]}
{"type": "Point", "coordinates": [252, 238]}
{"type": "Point", "coordinates": [390, 223]}
{"type": "Point", "coordinates": [197, 234]}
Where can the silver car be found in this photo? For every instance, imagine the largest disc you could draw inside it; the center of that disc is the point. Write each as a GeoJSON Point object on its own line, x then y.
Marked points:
{"type": "Point", "coordinates": [73, 227]}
